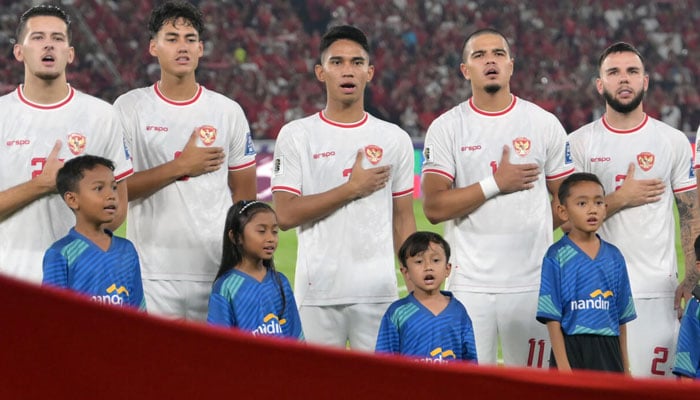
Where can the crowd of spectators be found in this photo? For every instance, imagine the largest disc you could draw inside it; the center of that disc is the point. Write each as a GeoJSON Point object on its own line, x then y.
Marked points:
{"type": "Point", "coordinates": [262, 53]}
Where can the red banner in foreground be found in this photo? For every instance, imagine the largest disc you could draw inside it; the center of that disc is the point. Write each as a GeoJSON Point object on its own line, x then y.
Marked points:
{"type": "Point", "coordinates": [58, 345]}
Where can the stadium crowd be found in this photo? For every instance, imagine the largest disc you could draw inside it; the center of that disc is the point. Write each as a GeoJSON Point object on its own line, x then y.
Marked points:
{"type": "Point", "coordinates": [262, 53]}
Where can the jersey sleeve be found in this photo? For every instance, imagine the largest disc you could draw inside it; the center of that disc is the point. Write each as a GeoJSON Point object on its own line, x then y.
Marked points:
{"type": "Point", "coordinates": [388, 340]}
{"type": "Point", "coordinates": [549, 302]}
{"type": "Point", "coordinates": [402, 178]}
{"type": "Point", "coordinates": [220, 312]}
{"type": "Point", "coordinates": [137, 298]}
{"type": "Point", "coordinates": [577, 146]}
{"type": "Point", "coordinates": [625, 300]}
{"type": "Point", "coordinates": [437, 151]}
{"type": "Point", "coordinates": [683, 172]}
{"type": "Point", "coordinates": [559, 162]}
{"type": "Point", "coordinates": [286, 168]}
{"type": "Point", "coordinates": [468, 341]}
{"type": "Point", "coordinates": [241, 150]}
{"type": "Point", "coordinates": [293, 326]}
{"type": "Point", "coordinates": [125, 131]}
{"type": "Point", "coordinates": [55, 268]}
{"type": "Point", "coordinates": [687, 361]}
{"type": "Point", "coordinates": [697, 150]}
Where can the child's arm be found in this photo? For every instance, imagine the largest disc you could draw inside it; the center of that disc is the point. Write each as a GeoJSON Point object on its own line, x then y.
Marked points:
{"type": "Point", "coordinates": [623, 349]}
{"type": "Point", "coordinates": [556, 336]}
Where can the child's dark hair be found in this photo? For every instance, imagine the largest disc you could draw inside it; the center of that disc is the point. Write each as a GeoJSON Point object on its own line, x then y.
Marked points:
{"type": "Point", "coordinates": [171, 11]}
{"type": "Point", "coordinates": [43, 10]}
{"type": "Point", "coordinates": [572, 180]}
{"type": "Point", "coordinates": [69, 176]}
{"type": "Point", "coordinates": [419, 242]}
{"type": "Point", "coordinates": [238, 216]}
{"type": "Point", "coordinates": [697, 248]}
{"type": "Point", "coordinates": [347, 32]}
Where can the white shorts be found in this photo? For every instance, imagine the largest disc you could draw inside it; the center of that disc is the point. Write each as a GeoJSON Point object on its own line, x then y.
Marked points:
{"type": "Point", "coordinates": [510, 317]}
{"type": "Point", "coordinates": [356, 324]}
{"type": "Point", "coordinates": [177, 299]}
{"type": "Point", "coordinates": [651, 338]}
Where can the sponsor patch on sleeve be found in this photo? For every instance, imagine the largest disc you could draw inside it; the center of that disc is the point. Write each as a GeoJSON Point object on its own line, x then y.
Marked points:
{"type": "Point", "coordinates": [567, 154]}
{"type": "Point", "coordinates": [249, 146]}
{"type": "Point", "coordinates": [278, 166]}
{"type": "Point", "coordinates": [428, 154]}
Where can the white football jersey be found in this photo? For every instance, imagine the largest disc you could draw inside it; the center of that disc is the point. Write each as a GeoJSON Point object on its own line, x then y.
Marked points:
{"type": "Point", "coordinates": [645, 234]}
{"type": "Point", "coordinates": [178, 230]}
{"type": "Point", "coordinates": [348, 256]}
{"type": "Point", "coordinates": [85, 125]}
{"type": "Point", "coordinates": [498, 247]}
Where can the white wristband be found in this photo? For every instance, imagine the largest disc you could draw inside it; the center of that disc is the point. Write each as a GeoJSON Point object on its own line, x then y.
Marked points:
{"type": "Point", "coordinates": [489, 187]}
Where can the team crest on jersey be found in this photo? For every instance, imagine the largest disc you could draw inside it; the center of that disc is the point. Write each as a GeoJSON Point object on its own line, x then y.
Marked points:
{"type": "Point", "coordinates": [522, 146]}
{"type": "Point", "coordinates": [645, 160]}
{"type": "Point", "coordinates": [76, 143]}
{"type": "Point", "coordinates": [374, 153]}
{"type": "Point", "coordinates": [208, 134]}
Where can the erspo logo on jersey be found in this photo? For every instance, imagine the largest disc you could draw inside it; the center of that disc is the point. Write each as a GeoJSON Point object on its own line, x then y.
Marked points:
{"type": "Point", "coordinates": [113, 296]}
{"type": "Point", "coordinates": [17, 142]}
{"type": "Point", "coordinates": [271, 325]}
{"type": "Point", "coordinates": [76, 143]}
{"type": "Point", "coordinates": [596, 302]}
{"type": "Point", "coordinates": [438, 355]}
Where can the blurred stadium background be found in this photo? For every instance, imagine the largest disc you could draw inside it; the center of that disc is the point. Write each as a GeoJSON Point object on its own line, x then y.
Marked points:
{"type": "Point", "coordinates": [261, 53]}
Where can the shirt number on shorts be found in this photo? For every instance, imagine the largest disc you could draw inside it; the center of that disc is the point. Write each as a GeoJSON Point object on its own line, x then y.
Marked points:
{"type": "Point", "coordinates": [661, 358]}
{"type": "Point", "coordinates": [536, 346]}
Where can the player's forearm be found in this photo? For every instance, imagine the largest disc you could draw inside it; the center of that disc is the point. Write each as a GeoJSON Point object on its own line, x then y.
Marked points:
{"type": "Point", "coordinates": [447, 204]}
{"type": "Point", "coordinates": [689, 222]}
{"type": "Point", "coordinates": [293, 210]}
{"type": "Point", "coordinates": [243, 184]}
{"type": "Point", "coordinates": [144, 183]}
{"type": "Point", "coordinates": [18, 197]}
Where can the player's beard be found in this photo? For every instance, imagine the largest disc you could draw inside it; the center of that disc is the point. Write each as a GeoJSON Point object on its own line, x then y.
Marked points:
{"type": "Point", "coordinates": [621, 107]}
{"type": "Point", "coordinates": [492, 88]}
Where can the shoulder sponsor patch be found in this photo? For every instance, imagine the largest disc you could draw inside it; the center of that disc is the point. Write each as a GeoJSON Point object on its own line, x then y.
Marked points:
{"type": "Point", "coordinates": [428, 154]}
{"type": "Point", "coordinates": [249, 146]}
{"type": "Point", "coordinates": [567, 153]}
{"type": "Point", "coordinates": [278, 166]}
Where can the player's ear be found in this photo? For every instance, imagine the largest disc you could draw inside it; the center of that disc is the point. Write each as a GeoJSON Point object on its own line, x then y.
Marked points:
{"type": "Point", "coordinates": [152, 48]}
{"type": "Point", "coordinates": [71, 200]}
{"type": "Point", "coordinates": [17, 51]}
{"type": "Point", "coordinates": [318, 70]}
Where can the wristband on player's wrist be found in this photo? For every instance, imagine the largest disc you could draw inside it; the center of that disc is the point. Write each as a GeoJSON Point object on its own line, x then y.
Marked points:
{"type": "Point", "coordinates": [489, 187]}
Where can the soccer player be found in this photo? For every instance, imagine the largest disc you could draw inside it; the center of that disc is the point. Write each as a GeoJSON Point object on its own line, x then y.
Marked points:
{"type": "Point", "coordinates": [90, 260]}
{"type": "Point", "coordinates": [585, 296]}
{"type": "Point", "coordinates": [643, 164]}
{"type": "Point", "coordinates": [44, 122]}
{"type": "Point", "coordinates": [491, 164]}
{"type": "Point", "coordinates": [687, 360]}
{"type": "Point", "coordinates": [428, 324]}
{"type": "Point", "coordinates": [249, 293]}
{"type": "Point", "coordinates": [345, 179]}
{"type": "Point", "coordinates": [193, 156]}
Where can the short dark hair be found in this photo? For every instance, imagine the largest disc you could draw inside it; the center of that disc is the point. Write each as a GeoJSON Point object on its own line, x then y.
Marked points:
{"type": "Point", "coordinates": [42, 10]}
{"type": "Point", "coordinates": [419, 242]}
{"type": "Point", "coordinates": [619, 47]}
{"type": "Point", "coordinates": [339, 32]}
{"type": "Point", "coordinates": [485, 31]}
{"type": "Point", "coordinates": [572, 180]}
{"type": "Point", "coordinates": [171, 11]}
{"type": "Point", "coordinates": [71, 173]}
{"type": "Point", "coordinates": [697, 248]}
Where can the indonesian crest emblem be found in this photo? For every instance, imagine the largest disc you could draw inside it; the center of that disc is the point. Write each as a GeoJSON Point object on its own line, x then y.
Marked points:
{"type": "Point", "coordinates": [76, 143]}
{"type": "Point", "coordinates": [522, 146]}
{"type": "Point", "coordinates": [374, 153]}
{"type": "Point", "coordinates": [645, 160]}
{"type": "Point", "coordinates": [208, 134]}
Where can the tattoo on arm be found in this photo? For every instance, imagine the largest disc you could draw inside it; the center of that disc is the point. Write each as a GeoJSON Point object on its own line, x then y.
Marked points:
{"type": "Point", "coordinates": [689, 216]}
